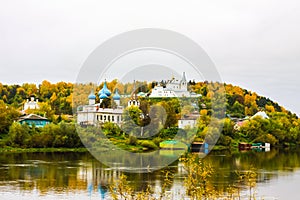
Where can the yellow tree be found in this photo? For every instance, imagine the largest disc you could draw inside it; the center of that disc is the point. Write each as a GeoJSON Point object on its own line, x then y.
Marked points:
{"type": "Point", "coordinates": [270, 108]}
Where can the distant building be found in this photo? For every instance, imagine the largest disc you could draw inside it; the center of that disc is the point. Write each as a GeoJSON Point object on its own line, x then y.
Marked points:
{"type": "Point", "coordinates": [241, 122]}
{"type": "Point", "coordinates": [32, 104]}
{"type": "Point", "coordinates": [31, 119]}
{"type": "Point", "coordinates": [95, 113]}
{"type": "Point", "coordinates": [261, 114]}
{"type": "Point", "coordinates": [173, 88]}
{"type": "Point", "coordinates": [189, 120]}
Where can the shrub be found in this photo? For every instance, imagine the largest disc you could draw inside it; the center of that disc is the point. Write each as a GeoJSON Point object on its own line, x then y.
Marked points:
{"type": "Point", "coordinates": [148, 144]}
{"type": "Point", "coordinates": [157, 140]}
{"type": "Point", "coordinates": [131, 140]}
{"type": "Point", "coordinates": [18, 135]}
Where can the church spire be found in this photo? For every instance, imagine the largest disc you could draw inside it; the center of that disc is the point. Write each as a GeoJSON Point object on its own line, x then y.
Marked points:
{"type": "Point", "coordinates": [183, 77]}
{"type": "Point", "coordinates": [133, 94]}
{"type": "Point", "coordinates": [134, 100]}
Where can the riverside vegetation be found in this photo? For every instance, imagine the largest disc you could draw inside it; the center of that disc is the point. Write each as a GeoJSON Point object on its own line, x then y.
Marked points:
{"type": "Point", "coordinates": [281, 128]}
{"type": "Point", "coordinates": [198, 184]}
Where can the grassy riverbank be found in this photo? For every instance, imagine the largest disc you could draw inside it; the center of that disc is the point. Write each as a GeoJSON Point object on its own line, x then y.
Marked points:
{"type": "Point", "coordinates": [20, 150]}
{"type": "Point", "coordinates": [130, 148]}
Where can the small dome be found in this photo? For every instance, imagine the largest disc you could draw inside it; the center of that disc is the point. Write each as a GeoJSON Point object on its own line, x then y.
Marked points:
{"type": "Point", "coordinates": [105, 90]}
{"type": "Point", "coordinates": [92, 95]}
{"type": "Point", "coordinates": [102, 95]}
{"type": "Point", "coordinates": [116, 95]}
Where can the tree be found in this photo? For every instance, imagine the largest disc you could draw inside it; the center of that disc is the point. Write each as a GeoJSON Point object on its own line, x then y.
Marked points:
{"type": "Point", "coordinates": [270, 108]}
{"type": "Point", "coordinates": [45, 89]}
{"type": "Point", "coordinates": [18, 134]}
{"type": "Point", "coordinates": [228, 128]}
{"type": "Point", "coordinates": [237, 109]}
{"type": "Point", "coordinates": [132, 121]}
{"type": "Point", "coordinates": [155, 120]}
{"type": "Point", "coordinates": [7, 115]}
{"type": "Point", "coordinates": [256, 127]}
{"type": "Point", "coordinates": [170, 108]}
{"type": "Point", "coordinates": [266, 138]}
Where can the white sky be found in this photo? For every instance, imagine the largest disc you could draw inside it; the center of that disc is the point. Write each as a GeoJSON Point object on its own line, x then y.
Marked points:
{"type": "Point", "coordinates": [254, 44]}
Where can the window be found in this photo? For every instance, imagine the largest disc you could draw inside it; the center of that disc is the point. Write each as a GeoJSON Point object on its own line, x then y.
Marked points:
{"type": "Point", "coordinates": [108, 118]}
{"type": "Point", "coordinates": [112, 118]}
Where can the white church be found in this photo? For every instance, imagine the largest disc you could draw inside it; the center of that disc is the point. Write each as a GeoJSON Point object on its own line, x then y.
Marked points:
{"type": "Point", "coordinates": [173, 88]}
{"type": "Point", "coordinates": [31, 104]}
{"type": "Point", "coordinates": [92, 113]}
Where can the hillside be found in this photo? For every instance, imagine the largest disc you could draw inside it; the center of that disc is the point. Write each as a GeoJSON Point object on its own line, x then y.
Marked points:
{"type": "Point", "coordinates": [281, 127]}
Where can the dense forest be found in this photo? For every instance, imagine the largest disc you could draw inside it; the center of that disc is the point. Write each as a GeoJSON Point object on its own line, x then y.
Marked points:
{"type": "Point", "coordinates": [57, 103]}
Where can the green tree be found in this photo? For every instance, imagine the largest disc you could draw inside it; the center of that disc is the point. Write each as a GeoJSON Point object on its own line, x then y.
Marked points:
{"type": "Point", "coordinates": [228, 129]}
{"type": "Point", "coordinates": [18, 135]}
{"type": "Point", "coordinates": [170, 108]}
{"type": "Point", "coordinates": [132, 121]}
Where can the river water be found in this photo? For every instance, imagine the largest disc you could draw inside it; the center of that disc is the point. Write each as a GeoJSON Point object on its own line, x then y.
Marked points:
{"type": "Point", "coordinates": [75, 176]}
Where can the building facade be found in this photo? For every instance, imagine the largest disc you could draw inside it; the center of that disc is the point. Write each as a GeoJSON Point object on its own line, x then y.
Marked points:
{"type": "Point", "coordinates": [188, 121]}
{"type": "Point", "coordinates": [31, 104]}
{"type": "Point", "coordinates": [93, 113]}
{"type": "Point", "coordinates": [173, 88]}
{"type": "Point", "coordinates": [33, 119]}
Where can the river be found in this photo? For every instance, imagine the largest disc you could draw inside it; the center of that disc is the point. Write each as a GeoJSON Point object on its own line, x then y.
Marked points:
{"type": "Point", "coordinates": [75, 176]}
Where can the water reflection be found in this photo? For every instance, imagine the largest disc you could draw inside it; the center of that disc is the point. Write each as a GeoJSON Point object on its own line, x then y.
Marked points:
{"type": "Point", "coordinates": [45, 175]}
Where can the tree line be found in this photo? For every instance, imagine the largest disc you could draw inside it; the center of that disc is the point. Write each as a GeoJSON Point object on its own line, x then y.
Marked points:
{"type": "Point", "coordinates": [56, 100]}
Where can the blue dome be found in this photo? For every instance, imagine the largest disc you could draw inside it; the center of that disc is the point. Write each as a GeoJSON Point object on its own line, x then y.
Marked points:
{"type": "Point", "coordinates": [105, 90]}
{"type": "Point", "coordinates": [116, 95]}
{"type": "Point", "coordinates": [92, 95]}
{"type": "Point", "coordinates": [102, 95]}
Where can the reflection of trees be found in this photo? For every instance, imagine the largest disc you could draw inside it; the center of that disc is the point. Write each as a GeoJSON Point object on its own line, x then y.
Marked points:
{"type": "Point", "coordinates": [69, 172]}
{"type": "Point", "coordinates": [227, 165]}
{"type": "Point", "coordinates": [44, 171]}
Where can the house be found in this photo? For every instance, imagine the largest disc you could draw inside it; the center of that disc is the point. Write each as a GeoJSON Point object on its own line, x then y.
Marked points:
{"type": "Point", "coordinates": [241, 122]}
{"type": "Point", "coordinates": [189, 120]}
{"type": "Point", "coordinates": [31, 119]}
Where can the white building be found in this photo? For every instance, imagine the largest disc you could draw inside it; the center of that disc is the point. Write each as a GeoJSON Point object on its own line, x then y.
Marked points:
{"type": "Point", "coordinates": [32, 104]}
{"type": "Point", "coordinates": [93, 114]}
{"type": "Point", "coordinates": [189, 120]}
{"type": "Point", "coordinates": [173, 88]}
{"type": "Point", "coordinates": [261, 114]}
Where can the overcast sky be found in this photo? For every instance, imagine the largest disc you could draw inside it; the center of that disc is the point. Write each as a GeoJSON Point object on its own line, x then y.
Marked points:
{"type": "Point", "coordinates": [254, 44]}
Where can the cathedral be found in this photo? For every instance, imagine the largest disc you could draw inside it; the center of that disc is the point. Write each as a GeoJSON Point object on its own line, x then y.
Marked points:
{"type": "Point", "coordinates": [93, 113]}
